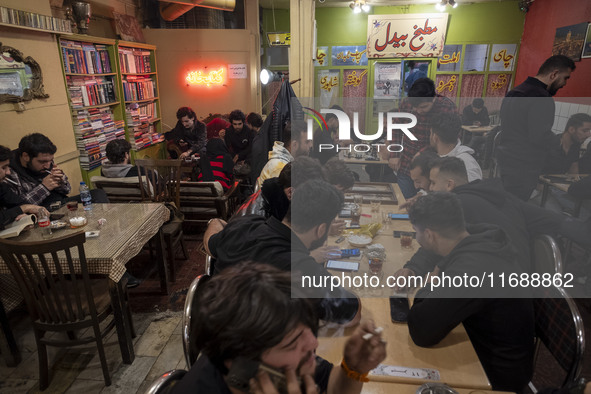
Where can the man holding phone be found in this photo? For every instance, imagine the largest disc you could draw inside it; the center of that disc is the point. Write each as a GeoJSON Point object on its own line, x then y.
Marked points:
{"type": "Point", "coordinates": [255, 336]}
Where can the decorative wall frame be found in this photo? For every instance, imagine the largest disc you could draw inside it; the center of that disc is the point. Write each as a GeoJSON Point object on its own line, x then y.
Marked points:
{"type": "Point", "coordinates": [11, 59]}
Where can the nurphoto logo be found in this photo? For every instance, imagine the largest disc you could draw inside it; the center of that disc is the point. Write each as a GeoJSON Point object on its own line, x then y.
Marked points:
{"type": "Point", "coordinates": [344, 130]}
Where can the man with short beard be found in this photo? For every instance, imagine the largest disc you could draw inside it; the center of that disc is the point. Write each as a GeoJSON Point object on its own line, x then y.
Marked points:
{"type": "Point", "coordinates": [36, 179]}
{"type": "Point", "coordinates": [527, 116]}
{"type": "Point", "coordinates": [286, 244]}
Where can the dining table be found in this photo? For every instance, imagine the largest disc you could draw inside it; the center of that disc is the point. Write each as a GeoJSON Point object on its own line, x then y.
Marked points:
{"type": "Point", "coordinates": [453, 361]}
{"type": "Point", "coordinates": [123, 230]}
{"type": "Point", "coordinates": [472, 130]}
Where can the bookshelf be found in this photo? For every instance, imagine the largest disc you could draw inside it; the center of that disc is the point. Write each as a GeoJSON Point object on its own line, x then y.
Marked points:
{"type": "Point", "coordinates": [141, 104]}
{"type": "Point", "coordinates": [92, 83]}
{"type": "Point", "coordinates": [112, 91]}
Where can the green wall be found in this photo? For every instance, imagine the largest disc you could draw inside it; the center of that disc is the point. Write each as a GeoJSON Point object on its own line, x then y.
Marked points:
{"type": "Point", "coordinates": [281, 23]}
{"type": "Point", "coordinates": [492, 22]}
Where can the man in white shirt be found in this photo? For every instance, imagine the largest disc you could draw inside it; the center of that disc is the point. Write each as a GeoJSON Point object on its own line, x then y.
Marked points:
{"type": "Point", "coordinates": [445, 131]}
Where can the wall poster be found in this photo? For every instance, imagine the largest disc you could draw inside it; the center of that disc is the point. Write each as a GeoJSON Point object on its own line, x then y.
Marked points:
{"type": "Point", "coordinates": [406, 35]}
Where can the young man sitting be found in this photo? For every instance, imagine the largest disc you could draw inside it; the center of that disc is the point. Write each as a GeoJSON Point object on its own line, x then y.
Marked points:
{"type": "Point", "coordinates": [118, 165]}
{"type": "Point", "coordinates": [11, 206]}
{"type": "Point", "coordinates": [248, 313]}
{"type": "Point", "coordinates": [445, 131]}
{"type": "Point", "coordinates": [499, 322]}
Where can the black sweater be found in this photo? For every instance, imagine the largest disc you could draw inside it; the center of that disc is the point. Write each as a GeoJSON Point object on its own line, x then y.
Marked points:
{"type": "Point", "coordinates": [501, 329]}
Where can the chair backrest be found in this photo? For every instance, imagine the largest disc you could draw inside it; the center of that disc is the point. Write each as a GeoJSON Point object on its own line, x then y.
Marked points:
{"type": "Point", "coordinates": [201, 201]}
{"type": "Point", "coordinates": [50, 280]}
{"type": "Point", "coordinates": [164, 177]}
{"type": "Point", "coordinates": [559, 327]}
{"type": "Point", "coordinates": [546, 255]}
{"type": "Point", "coordinates": [189, 347]}
{"type": "Point", "coordinates": [120, 189]}
{"type": "Point", "coordinates": [495, 171]}
{"type": "Point", "coordinates": [166, 381]}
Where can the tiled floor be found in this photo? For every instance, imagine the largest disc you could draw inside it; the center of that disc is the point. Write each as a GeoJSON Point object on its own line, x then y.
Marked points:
{"type": "Point", "coordinates": [158, 348]}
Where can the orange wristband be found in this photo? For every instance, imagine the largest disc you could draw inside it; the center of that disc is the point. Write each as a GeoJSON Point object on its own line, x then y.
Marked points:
{"type": "Point", "coordinates": [354, 374]}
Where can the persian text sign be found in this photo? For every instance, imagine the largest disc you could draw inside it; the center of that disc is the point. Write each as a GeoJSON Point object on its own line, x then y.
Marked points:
{"type": "Point", "coordinates": [410, 35]}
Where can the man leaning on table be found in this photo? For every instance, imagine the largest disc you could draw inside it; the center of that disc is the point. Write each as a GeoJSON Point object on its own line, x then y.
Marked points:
{"type": "Point", "coordinates": [11, 206]}
{"type": "Point", "coordinates": [248, 311]}
{"type": "Point", "coordinates": [286, 245]}
{"type": "Point", "coordinates": [501, 329]}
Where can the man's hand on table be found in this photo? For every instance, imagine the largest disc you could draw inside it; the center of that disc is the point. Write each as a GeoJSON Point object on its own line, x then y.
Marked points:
{"type": "Point", "coordinates": [405, 273]}
{"type": "Point", "coordinates": [336, 227]}
{"type": "Point", "coordinates": [325, 253]}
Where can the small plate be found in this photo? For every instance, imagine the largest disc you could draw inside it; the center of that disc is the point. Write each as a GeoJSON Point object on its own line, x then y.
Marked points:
{"type": "Point", "coordinates": [58, 225]}
{"type": "Point", "coordinates": [359, 241]}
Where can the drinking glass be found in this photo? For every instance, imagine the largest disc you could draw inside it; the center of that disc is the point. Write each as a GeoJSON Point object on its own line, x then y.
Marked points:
{"type": "Point", "coordinates": [355, 214]}
{"type": "Point", "coordinates": [406, 240]}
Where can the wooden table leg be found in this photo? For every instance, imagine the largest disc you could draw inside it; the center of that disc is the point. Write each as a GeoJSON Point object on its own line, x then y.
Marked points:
{"type": "Point", "coordinates": [122, 321]}
{"type": "Point", "coordinates": [161, 261]}
{"type": "Point", "coordinates": [8, 345]}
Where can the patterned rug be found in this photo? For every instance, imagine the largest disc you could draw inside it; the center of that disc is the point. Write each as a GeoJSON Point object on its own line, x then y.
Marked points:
{"type": "Point", "coordinates": [147, 298]}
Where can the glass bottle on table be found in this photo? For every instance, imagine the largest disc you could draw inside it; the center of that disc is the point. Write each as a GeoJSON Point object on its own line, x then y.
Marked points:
{"type": "Point", "coordinates": [44, 223]}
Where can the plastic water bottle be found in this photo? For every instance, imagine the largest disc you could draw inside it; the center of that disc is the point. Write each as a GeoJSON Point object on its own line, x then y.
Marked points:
{"type": "Point", "coordinates": [85, 196]}
{"type": "Point", "coordinates": [44, 223]}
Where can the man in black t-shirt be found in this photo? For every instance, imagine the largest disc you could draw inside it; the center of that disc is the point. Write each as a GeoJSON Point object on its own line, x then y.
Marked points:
{"type": "Point", "coordinates": [564, 151]}
{"type": "Point", "coordinates": [247, 316]}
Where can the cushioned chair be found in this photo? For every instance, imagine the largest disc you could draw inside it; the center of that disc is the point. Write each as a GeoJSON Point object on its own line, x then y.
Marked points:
{"type": "Point", "coordinates": [189, 348]}
{"type": "Point", "coordinates": [119, 189]}
{"type": "Point", "coordinates": [201, 201]}
{"type": "Point", "coordinates": [559, 327]}
{"type": "Point", "coordinates": [163, 186]}
{"type": "Point", "coordinates": [164, 383]}
{"type": "Point", "coordinates": [60, 296]}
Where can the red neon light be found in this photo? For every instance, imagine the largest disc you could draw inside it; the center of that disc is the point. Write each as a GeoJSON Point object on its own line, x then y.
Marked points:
{"type": "Point", "coordinates": [214, 77]}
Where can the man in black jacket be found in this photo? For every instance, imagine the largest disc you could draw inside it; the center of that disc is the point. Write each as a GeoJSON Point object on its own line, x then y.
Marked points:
{"type": "Point", "coordinates": [189, 135]}
{"type": "Point", "coordinates": [287, 244]}
{"type": "Point", "coordinates": [487, 202]}
{"type": "Point", "coordinates": [527, 116]}
{"type": "Point", "coordinates": [500, 328]}
{"type": "Point", "coordinates": [239, 137]}
{"type": "Point", "coordinates": [11, 206]}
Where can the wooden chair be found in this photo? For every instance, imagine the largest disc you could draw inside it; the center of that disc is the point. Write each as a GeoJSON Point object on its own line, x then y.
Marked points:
{"type": "Point", "coordinates": [189, 348]}
{"type": "Point", "coordinates": [165, 382]}
{"type": "Point", "coordinates": [60, 295]}
{"type": "Point", "coordinates": [201, 201]}
{"type": "Point", "coordinates": [163, 186]}
{"type": "Point", "coordinates": [120, 189]}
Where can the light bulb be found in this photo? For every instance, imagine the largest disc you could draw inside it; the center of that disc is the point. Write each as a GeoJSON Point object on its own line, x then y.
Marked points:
{"type": "Point", "coordinates": [357, 9]}
{"type": "Point", "coordinates": [365, 7]}
{"type": "Point", "coordinates": [265, 76]}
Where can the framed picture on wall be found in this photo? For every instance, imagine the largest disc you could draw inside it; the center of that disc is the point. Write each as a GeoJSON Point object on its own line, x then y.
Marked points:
{"type": "Point", "coordinates": [587, 46]}
{"type": "Point", "coordinates": [569, 41]}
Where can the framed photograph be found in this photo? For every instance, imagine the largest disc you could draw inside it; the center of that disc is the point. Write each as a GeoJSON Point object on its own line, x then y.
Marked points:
{"type": "Point", "coordinates": [587, 46]}
{"type": "Point", "coordinates": [569, 41]}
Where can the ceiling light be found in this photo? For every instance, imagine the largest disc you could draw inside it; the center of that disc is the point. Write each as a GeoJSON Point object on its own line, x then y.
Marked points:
{"type": "Point", "coordinates": [359, 5]}
{"type": "Point", "coordinates": [441, 5]}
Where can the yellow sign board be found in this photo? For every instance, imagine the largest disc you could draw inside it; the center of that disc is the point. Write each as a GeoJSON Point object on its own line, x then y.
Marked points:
{"type": "Point", "coordinates": [279, 39]}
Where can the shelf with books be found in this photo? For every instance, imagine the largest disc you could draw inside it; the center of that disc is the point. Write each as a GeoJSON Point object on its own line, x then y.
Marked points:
{"type": "Point", "coordinates": [139, 87]}
{"type": "Point", "coordinates": [92, 83]}
{"type": "Point", "coordinates": [32, 21]}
